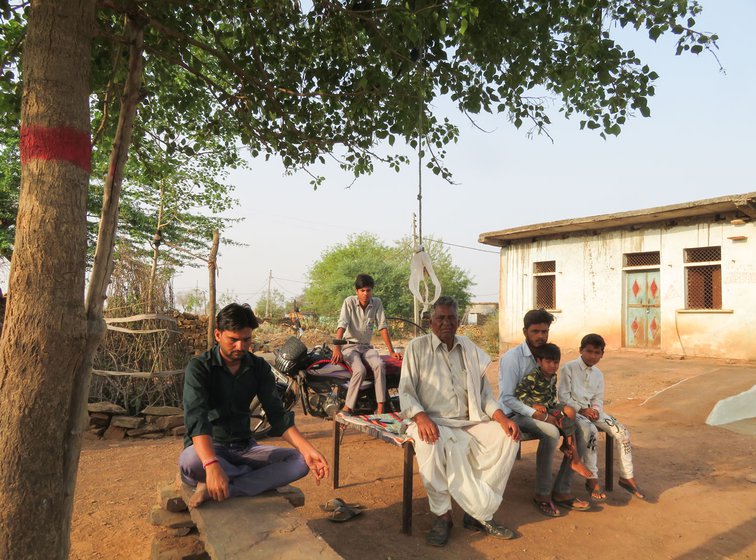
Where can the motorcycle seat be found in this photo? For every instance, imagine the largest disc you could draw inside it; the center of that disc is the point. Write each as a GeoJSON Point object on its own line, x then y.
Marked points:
{"type": "Point", "coordinates": [331, 373]}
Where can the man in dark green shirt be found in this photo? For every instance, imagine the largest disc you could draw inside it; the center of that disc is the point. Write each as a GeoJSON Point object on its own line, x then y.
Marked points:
{"type": "Point", "coordinates": [220, 457]}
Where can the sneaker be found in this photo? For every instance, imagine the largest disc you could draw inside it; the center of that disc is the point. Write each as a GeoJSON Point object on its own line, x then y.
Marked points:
{"type": "Point", "coordinates": [439, 533]}
{"type": "Point", "coordinates": [490, 527]}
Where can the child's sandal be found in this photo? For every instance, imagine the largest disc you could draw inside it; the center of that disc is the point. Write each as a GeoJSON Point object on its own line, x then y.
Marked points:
{"type": "Point", "coordinates": [596, 493]}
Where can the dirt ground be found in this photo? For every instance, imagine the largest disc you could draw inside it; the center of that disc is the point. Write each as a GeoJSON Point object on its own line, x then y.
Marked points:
{"type": "Point", "coordinates": [701, 504]}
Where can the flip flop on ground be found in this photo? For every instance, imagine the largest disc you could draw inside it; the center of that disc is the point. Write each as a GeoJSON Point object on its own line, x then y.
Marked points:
{"type": "Point", "coordinates": [546, 507]}
{"type": "Point", "coordinates": [573, 504]}
{"type": "Point", "coordinates": [632, 488]}
{"type": "Point", "coordinates": [343, 513]}
{"type": "Point", "coordinates": [335, 503]}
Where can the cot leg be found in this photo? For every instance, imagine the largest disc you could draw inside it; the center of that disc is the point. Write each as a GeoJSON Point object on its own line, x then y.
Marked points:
{"type": "Point", "coordinates": [609, 464]}
{"type": "Point", "coordinates": [336, 444]}
{"type": "Point", "coordinates": [409, 453]}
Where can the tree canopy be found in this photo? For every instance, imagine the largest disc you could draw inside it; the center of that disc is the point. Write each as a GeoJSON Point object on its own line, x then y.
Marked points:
{"type": "Point", "coordinates": [331, 278]}
{"type": "Point", "coordinates": [301, 79]}
{"type": "Point", "coordinates": [330, 79]}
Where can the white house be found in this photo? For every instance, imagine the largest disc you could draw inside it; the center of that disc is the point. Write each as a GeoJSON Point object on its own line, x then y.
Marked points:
{"type": "Point", "coordinates": [679, 278]}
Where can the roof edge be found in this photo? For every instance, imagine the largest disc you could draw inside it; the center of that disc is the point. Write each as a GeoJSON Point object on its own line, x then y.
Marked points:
{"type": "Point", "coordinates": [744, 203]}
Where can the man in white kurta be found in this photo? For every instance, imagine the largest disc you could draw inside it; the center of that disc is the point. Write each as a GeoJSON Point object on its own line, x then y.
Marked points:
{"type": "Point", "coordinates": [465, 444]}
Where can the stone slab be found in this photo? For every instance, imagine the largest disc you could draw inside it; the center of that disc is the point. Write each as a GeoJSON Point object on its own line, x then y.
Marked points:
{"type": "Point", "coordinates": [168, 422]}
{"type": "Point", "coordinates": [114, 432]}
{"type": "Point", "coordinates": [167, 546]}
{"type": "Point", "coordinates": [163, 411]}
{"type": "Point", "coordinates": [149, 435]}
{"type": "Point", "coordinates": [170, 499]}
{"type": "Point", "coordinates": [292, 494]}
{"type": "Point", "coordinates": [129, 422]}
{"type": "Point", "coordinates": [144, 431]}
{"type": "Point", "coordinates": [159, 516]}
{"type": "Point", "coordinates": [106, 407]}
{"type": "Point", "coordinates": [264, 526]}
{"type": "Point", "coordinates": [99, 420]}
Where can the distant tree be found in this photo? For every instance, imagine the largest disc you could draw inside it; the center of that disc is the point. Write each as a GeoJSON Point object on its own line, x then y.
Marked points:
{"type": "Point", "coordinates": [193, 301]}
{"type": "Point", "coordinates": [228, 296]}
{"type": "Point", "coordinates": [275, 306]}
{"type": "Point", "coordinates": [10, 179]}
{"type": "Point", "coordinates": [331, 278]}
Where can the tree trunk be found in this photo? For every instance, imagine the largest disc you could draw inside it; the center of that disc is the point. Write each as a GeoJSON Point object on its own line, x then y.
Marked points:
{"type": "Point", "coordinates": [102, 268]}
{"type": "Point", "coordinates": [156, 250]}
{"type": "Point", "coordinates": [45, 330]}
{"type": "Point", "coordinates": [212, 265]}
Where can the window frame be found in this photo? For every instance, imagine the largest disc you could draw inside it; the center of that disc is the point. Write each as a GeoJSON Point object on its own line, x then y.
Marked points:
{"type": "Point", "coordinates": [690, 263]}
{"type": "Point", "coordinates": [536, 278]}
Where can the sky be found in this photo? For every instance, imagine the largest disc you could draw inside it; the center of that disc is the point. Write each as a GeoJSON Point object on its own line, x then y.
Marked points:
{"type": "Point", "coordinates": [698, 143]}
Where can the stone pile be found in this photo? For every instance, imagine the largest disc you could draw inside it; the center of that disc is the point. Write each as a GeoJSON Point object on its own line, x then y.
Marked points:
{"type": "Point", "coordinates": [178, 538]}
{"type": "Point", "coordinates": [111, 421]}
{"type": "Point", "coordinates": [193, 331]}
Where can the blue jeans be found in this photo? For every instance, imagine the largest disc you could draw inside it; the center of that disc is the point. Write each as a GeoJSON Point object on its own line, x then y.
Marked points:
{"type": "Point", "coordinates": [251, 469]}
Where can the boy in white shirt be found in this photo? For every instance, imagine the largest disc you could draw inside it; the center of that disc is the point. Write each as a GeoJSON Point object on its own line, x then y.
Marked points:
{"type": "Point", "coordinates": [581, 385]}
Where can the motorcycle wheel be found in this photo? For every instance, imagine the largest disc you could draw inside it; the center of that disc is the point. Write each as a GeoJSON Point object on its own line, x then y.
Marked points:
{"type": "Point", "coordinates": [258, 422]}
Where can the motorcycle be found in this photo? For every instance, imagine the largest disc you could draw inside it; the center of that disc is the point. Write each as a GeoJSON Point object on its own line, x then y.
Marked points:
{"type": "Point", "coordinates": [321, 387]}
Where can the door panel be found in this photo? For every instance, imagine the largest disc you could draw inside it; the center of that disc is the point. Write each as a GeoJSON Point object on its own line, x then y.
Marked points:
{"type": "Point", "coordinates": [642, 316]}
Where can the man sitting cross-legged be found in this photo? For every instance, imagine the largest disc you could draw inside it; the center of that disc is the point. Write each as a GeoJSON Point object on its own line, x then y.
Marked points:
{"type": "Point", "coordinates": [465, 445]}
{"type": "Point", "coordinates": [220, 456]}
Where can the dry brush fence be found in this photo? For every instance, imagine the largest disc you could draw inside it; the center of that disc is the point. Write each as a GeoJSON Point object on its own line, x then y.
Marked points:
{"type": "Point", "coordinates": [140, 363]}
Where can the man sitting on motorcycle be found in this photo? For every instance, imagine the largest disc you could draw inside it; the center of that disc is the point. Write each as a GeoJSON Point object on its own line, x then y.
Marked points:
{"type": "Point", "coordinates": [220, 456]}
{"type": "Point", "coordinates": [360, 315]}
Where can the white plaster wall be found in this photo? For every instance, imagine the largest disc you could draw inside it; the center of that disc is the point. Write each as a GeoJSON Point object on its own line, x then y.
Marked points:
{"type": "Point", "coordinates": [590, 291]}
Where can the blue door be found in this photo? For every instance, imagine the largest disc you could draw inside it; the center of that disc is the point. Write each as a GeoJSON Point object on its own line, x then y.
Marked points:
{"type": "Point", "coordinates": [642, 317]}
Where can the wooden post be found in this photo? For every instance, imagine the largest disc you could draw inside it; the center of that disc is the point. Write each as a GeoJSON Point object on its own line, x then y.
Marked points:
{"type": "Point", "coordinates": [609, 464]}
{"type": "Point", "coordinates": [336, 443]}
{"type": "Point", "coordinates": [212, 265]}
{"type": "Point", "coordinates": [409, 453]}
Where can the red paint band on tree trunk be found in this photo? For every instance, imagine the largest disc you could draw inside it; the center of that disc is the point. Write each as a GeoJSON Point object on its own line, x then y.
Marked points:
{"type": "Point", "coordinates": [59, 144]}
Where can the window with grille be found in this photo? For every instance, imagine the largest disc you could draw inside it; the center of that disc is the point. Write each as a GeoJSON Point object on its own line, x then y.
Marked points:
{"type": "Point", "coordinates": [544, 284]}
{"type": "Point", "coordinates": [649, 258]}
{"type": "Point", "coordinates": [703, 277]}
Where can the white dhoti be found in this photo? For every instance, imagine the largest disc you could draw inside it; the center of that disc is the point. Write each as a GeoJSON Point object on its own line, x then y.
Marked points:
{"type": "Point", "coordinates": [470, 464]}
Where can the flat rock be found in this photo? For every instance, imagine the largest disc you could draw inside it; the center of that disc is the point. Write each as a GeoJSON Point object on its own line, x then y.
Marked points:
{"type": "Point", "coordinates": [97, 431]}
{"type": "Point", "coordinates": [114, 433]}
{"type": "Point", "coordinates": [167, 546]}
{"type": "Point", "coordinates": [178, 431]}
{"type": "Point", "coordinates": [168, 422]}
{"type": "Point", "coordinates": [171, 520]}
{"type": "Point", "coordinates": [181, 532]}
{"type": "Point", "coordinates": [291, 493]}
{"type": "Point", "coordinates": [150, 435]}
{"type": "Point", "coordinates": [163, 411]}
{"type": "Point", "coordinates": [129, 422]}
{"type": "Point", "coordinates": [99, 420]}
{"type": "Point", "coordinates": [170, 499]}
{"type": "Point", "coordinates": [264, 526]}
{"type": "Point", "coordinates": [106, 407]}
{"type": "Point", "coordinates": [146, 431]}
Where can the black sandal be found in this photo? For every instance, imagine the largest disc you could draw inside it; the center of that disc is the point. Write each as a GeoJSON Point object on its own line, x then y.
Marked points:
{"type": "Point", "coordinates": [633, 489]}
{"type": "Point", "coordinates": [596, 493]}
